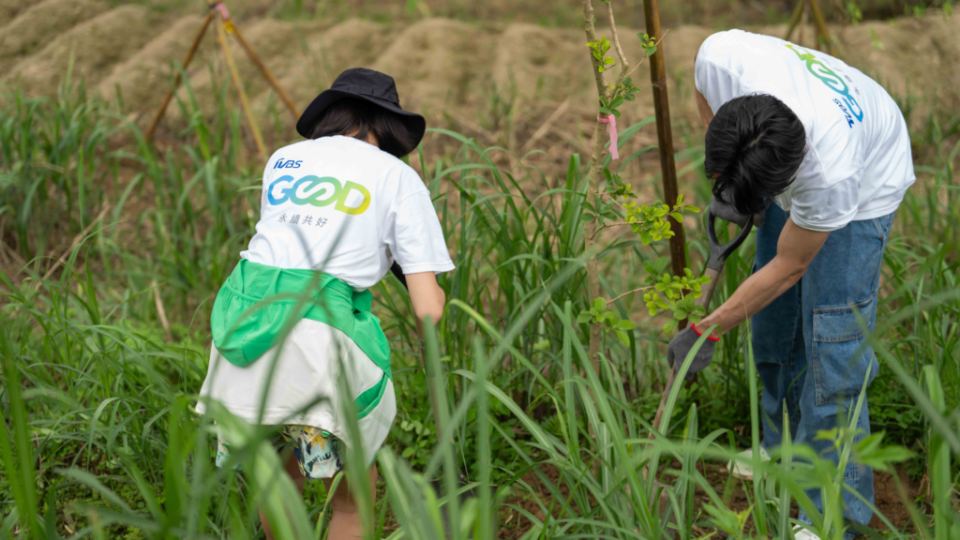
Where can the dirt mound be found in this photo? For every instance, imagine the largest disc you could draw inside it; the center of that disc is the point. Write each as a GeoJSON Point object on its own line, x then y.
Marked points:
{"type": "Point", "coordinates": [320, 58]}
{"type": "Point", "coordinates": [477, 77]}
{"type": "Point", "coordinates": [143, 78]}
{"type": "Point", "coordinates": [913, 58]}
{"type": "Point", "coordinates": [440, 65]}
{"type": "Point", "coordinates": [9, 9]}
{"type": "Point", "coordinates": [542, 64]}
{"type": "Point", "coordinates": [42, 23]}
{"type": "Point", "coordinates": [93, 46]}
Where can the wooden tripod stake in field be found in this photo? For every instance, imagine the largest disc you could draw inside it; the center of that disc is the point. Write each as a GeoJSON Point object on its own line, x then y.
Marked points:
{"type": "Point", "coordinates": [819, 23]}
{"type": "Point", "coordinates": [225, 27]}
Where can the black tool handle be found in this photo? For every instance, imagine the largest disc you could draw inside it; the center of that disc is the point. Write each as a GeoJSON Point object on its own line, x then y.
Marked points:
{"type": "Point", "coordinates": [719, 252]}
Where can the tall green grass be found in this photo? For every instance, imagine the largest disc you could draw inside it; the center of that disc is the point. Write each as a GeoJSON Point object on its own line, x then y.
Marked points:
{"type": "Point", "coordinates": [113, 251]}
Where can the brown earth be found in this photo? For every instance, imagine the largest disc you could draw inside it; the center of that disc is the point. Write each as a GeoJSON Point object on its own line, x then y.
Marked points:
{"type": "Point", "coordinates": [9, 9]}
{"type": "Point", "coordinates": [40, 24]}
{"type": "Point", "coordinates": [478, 78]}
{"type": "Point", "coordinates": [92, 47]}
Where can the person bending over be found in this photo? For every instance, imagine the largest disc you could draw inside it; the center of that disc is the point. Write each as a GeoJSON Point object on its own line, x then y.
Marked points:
{"type": "Point", "coordinates": [824, 151]}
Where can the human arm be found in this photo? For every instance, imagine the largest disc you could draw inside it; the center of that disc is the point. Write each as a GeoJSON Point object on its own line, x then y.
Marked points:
{"type": "Point", "coordinates": [796, 249]}
{"type": "Point", "coordinates": [426, 296]}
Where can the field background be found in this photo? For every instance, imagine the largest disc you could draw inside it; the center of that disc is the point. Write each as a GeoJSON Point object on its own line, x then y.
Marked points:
{"type": "Point", "coordinates": [112, 251]}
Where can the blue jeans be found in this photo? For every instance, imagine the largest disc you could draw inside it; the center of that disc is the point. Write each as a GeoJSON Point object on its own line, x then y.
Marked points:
{"type": "Point", "coordinates": [807, 345]}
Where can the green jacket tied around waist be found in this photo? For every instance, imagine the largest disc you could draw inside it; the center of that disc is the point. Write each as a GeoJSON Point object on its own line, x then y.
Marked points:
{"type": "Point", "coordinates": [258, 303]}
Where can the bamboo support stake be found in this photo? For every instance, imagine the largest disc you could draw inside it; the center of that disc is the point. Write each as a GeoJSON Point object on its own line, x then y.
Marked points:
{"type": "Point", "coordinates": [176, 83]}
{"type": "Point", "coordinates": [244, 102]}
{"type": "Point", "coordinates": [661, 106]}
{"type": "Point", "coordinates": [267, 74]}
{"type": "Point", "coordinates": [795, 18]}
{"type": "Point", "coordinates": [821, 24]}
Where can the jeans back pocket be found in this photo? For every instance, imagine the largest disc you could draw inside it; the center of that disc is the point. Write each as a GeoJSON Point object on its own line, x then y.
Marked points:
{"type": "Point", "coordinates": [841, 356]}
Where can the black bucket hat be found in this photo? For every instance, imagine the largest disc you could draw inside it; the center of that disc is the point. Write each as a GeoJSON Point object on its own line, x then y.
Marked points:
{"type": "Point", "coordinates": [366, 84]}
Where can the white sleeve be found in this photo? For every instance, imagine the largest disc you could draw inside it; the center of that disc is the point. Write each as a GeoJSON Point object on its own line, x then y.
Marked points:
{"type": "Point", "coordinates": [713, 75]}
{"type": "Point", "coordinates": [412, 230]}
{"type": "Point", "coordinates": [826, 196]}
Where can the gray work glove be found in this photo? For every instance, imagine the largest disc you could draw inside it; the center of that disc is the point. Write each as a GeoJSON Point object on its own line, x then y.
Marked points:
{"type": "Point", "coordinates": [680, 346]}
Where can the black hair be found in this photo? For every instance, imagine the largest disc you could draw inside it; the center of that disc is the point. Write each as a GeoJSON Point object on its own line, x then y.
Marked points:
{"type": "Point", "coordinates": [754, 147]}
{"type": "Point", "coordinates": [347, 115]}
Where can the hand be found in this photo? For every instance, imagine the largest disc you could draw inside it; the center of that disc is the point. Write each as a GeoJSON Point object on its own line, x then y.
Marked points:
{"type": "Point", "coordinates": [680, 346]}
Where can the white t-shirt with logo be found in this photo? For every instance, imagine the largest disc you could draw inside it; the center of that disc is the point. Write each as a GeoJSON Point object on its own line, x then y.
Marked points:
{"type": "Point", "coordinates": [349, 209]}
{"type": "Point", "coordinates": [858, 164]}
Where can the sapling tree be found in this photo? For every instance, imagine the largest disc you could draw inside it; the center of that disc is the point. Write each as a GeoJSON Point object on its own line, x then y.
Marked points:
{"type": "Point", "coordinates": [610, 202]}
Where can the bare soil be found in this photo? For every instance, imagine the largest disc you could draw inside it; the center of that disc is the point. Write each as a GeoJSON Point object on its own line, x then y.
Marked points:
{"type": "Point", "coordinates": [500, 81]}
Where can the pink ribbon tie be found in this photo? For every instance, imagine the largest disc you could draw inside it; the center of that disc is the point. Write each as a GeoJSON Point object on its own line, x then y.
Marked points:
{"type": "Point", "coordinates": [612, 120]}
{"type": "Point", "coordinates": [222, 8]}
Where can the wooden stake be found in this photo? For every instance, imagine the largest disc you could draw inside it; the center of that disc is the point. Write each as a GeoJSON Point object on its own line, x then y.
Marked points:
{"type": "Point", "coordinates": [661, 107]}
{"type": "Point", "coordinates": [255, 58]}
{"type": "Point", "coordinates": [235, 75]}
{"type": "Point", "coordinates": [176, 82]}
{"type": "Point", "coordinates": [795, 18]}
{"type": "Point", "coordinates": [821, 24]}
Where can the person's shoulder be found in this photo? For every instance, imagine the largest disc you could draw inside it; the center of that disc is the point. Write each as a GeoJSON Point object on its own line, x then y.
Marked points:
{"type": "Point", "coordinates": [719, 40]}
{"type": "Point", "coordinates": [736, 42]}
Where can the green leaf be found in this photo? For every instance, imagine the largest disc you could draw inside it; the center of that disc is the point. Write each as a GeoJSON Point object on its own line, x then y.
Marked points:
{"type": "Point", "coordinates": [677, 216]}
{"type": "Point", "coordinates": [584, 317]}
{"type": "Point", "coordinates": [608, 60]}
{"type": "Point", "coordinates": [600, 304]}
{"type": "Point", "coordinates": [623, 337]}
{"type": "Point", "coordinates": [626, 324]}
{"type": "Point", "coordinates": [670, 326]}
{"type": "Point", "coordinates": [826, 435]}
{"type": "Point", "coordinates": [680, 314]}
{"type": "Point", "coordinates": [650, 51]}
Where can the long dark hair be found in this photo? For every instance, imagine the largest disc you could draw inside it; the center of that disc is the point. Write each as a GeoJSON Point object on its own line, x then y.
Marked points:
{"type": "Point", "coordinates": [754, 147]}
{"type": "Point", "coordinates": [347, 115]}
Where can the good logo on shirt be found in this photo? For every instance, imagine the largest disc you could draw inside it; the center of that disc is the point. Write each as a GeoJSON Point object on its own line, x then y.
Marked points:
{"type": "Point", "coordinates": [320, 192]}
{"type": "Point", "coordinates": [831, 79]}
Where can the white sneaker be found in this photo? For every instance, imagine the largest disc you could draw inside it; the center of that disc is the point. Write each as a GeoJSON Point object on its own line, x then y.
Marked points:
{"type": "Point", "coordinates": [742, 468]}
{"type": "Point", "coordinates": [799, 533]}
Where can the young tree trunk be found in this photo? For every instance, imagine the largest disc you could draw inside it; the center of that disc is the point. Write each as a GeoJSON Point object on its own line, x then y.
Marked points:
{"type": "Point", "coordinates": [593, 180]}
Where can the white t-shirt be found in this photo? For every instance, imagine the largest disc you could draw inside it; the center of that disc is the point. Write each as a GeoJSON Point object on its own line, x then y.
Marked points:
{"type": "Point", "coordinates": [349, 209]}
{"type": "Point", "coordinates": [858, 164]}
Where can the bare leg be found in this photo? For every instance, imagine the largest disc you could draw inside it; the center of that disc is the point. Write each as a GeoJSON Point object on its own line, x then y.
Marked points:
{"type": "Point", "coordinates": [293, 470]}
{"type": "Point", "coordinates": [345, 522]}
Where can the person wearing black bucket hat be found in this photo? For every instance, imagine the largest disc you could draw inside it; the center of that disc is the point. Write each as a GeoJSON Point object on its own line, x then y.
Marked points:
{"type": "Point", "coordinates": [338, 210]}
{"type": "Point", "coordinates": [374, 88]}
